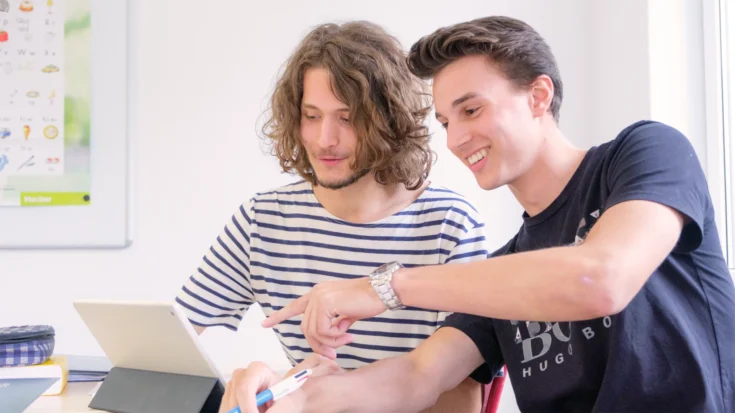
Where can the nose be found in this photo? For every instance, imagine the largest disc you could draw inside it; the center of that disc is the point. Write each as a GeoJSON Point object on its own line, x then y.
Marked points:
{"type": "Point", "coordinates": [329, 133]}
{"type": "Point", "coordinates": [457, 137]}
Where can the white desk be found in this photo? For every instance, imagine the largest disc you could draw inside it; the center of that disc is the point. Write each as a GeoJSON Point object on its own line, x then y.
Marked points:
{"type": "Point", "coordinates": [74, 399]}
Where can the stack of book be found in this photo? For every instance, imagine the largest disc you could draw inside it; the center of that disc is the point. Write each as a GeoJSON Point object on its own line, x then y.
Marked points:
{"type": "Point", "coordinates": [56, 367]}
{"type": "Point", "coordinates": [64, 368]}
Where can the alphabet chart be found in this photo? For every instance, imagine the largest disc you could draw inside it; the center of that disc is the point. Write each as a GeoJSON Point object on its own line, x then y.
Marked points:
{"type": "Point", "coordinates": [32, 87]}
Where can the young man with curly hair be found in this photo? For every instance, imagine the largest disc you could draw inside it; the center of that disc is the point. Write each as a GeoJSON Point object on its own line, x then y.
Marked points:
{"type": "Point", "coordinates": [347, 116]}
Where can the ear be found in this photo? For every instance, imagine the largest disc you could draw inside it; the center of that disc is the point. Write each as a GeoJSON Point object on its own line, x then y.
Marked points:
{"type": "Point", "coordinates": [542, 93]}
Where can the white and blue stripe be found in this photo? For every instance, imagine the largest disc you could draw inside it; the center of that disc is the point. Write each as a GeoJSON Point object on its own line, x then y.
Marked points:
{"type": "Point", "coordinates": [276, 247]}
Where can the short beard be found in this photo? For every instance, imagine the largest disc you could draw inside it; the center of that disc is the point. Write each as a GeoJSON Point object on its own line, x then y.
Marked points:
{"type": "Point", "coordinates": [342, 184]}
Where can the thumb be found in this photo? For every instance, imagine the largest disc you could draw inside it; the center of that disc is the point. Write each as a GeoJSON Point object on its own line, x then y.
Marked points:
{"type": "Point", "coordinates": [341, 324]}
{"type": "Point", "coordinates": [247, 383]}
{"type": "Point", "coordinates": [344, 325]}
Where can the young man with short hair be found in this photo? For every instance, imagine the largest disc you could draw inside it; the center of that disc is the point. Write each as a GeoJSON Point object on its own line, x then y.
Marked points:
{"type": "Point", "coordinates": [614, 296]}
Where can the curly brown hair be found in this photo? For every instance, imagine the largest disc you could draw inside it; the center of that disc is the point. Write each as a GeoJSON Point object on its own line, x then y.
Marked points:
{"type": "Point", "coordinates": [512, 45]}
{"type": "Point", "coordinates": [388, 105]}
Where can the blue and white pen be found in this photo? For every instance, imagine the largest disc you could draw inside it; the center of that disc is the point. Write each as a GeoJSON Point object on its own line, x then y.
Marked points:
{"type": "Point", "coordinates": [284, 388]}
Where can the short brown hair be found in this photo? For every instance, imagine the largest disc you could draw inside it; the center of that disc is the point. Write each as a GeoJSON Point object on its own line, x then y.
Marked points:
{"type": "Point", "coordinates": [388, 105]}
{"type": "Point", "coordinates": [512, 45]}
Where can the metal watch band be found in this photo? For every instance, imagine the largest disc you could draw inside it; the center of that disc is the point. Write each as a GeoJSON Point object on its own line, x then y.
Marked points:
{"type": "Point", "coordinates": [381, 279]}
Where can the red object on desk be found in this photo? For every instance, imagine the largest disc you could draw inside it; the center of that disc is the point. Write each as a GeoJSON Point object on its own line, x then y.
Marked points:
{"type": "Point", "coordinates": [3, 36]}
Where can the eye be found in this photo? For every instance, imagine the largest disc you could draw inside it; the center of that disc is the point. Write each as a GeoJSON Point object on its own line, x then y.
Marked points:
{"type": "Point", "coordinates": [345, 120]}
{"type": "Point", "coordinates": [471, 111]}
{"type": "Point", "coordinates": [310, 117]}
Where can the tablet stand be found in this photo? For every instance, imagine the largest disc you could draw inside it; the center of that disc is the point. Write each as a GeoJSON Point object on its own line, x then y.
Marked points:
{"type": "Point", "coordinates": [143, 391]}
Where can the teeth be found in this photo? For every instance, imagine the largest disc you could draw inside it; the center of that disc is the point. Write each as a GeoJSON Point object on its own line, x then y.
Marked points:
{"type": "Point", "coordinates": [477, 156]}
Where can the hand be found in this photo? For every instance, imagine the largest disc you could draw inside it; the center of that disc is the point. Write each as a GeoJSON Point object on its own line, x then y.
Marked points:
{"type": "Point", "coordinates": [240, 389]}
{"type": "Point", "coordinates": [329, 309]}
{"type": "Point", "coordinates": [246, 383]}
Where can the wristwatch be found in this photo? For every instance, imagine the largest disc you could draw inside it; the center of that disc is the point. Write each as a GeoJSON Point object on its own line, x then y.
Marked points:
{"type": "Point", "coordinates": [381, 279]}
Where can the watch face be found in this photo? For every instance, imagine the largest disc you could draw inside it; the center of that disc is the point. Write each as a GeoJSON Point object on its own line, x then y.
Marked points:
{"type": "Point", "coordinates": [385, 267]}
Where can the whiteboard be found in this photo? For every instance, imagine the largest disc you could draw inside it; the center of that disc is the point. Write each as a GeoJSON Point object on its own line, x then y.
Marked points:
{"type": "Point", "coordinates": [104, 223]}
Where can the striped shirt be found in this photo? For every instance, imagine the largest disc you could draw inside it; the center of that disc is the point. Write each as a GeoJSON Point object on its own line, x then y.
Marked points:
{"type": "Point", "coordinates": [282, 242]}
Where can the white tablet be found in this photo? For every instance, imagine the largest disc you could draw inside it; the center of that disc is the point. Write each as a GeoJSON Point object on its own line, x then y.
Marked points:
{"type": "Point", "coordinates": [142, 335]}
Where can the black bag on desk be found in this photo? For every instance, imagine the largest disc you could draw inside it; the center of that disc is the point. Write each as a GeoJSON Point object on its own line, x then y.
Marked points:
{"type": "Point", "coordinates": [26, 345]}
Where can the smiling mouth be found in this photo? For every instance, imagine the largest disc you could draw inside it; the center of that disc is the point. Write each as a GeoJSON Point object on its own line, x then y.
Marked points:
{"type": "Point", "coordinates": [477, 156]}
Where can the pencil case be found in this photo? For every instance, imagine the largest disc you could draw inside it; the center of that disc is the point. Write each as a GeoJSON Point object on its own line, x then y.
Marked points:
{"type": "Point", "coordinates": [26, 345]}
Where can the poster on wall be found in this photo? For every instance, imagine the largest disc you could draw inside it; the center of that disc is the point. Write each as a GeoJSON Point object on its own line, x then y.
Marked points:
{"type": "Point", "coordinates": [45, 84]}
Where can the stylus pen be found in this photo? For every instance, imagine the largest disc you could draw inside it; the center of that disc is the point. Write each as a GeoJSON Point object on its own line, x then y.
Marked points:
{"type": "Point", "coordinates": [284, 388]}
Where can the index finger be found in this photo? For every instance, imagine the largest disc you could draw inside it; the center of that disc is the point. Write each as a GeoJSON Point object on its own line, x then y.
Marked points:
{"type": "Point", "coordinates": [294, 308]}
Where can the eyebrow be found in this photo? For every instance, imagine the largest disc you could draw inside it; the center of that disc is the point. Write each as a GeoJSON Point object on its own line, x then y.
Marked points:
{"type": "Point", "coordinates": [460, 100]}
{"type": "Point", "coordinates": [310, 106]}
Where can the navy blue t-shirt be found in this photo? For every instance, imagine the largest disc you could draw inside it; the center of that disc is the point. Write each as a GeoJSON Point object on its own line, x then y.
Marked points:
{"type": "Point", "coordinates": [672, 349]}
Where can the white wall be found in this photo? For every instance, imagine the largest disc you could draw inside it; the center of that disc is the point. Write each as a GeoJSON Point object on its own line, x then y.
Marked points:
{"type": "Point", "coordinates": [650, 65]}
{"type": "Point", "coordinates": [677, 68]}
{"type": "Point", "coordinates": [200, 77]}
{"type": "Point", "coordinates": [621, 76]}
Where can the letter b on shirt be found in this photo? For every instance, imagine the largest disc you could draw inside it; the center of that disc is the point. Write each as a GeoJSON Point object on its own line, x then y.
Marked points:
{"type": "Point", "coordinates": [539, 342]}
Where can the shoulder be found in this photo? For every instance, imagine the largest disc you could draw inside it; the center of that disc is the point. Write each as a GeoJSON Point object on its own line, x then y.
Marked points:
{"type": "Point", "coordinates": [297, 194]}
{"type": "Point", "coordinates": [290, 191]}
{"type": "Point", "coordinates": [644, 135]}
{"type": "Point", "coordinates": [437, 196]}
{"type": "Point", "coordinates": [293, 195]}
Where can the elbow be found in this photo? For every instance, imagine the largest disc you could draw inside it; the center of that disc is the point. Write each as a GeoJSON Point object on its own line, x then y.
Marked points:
{"type": "Point", "coordinates": [603, 289]}
{"type": "Point", "coordinates": [424, 386]}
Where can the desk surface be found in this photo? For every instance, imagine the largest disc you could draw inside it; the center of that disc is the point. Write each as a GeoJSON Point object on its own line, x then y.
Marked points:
{"type": "Point", "coordinates": [74, 399]}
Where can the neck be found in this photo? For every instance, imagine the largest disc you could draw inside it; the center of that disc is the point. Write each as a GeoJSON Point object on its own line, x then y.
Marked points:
{"type": "Point", "coordinates": [555, 164]}
{"type": "Point", "coordinates": [366, 200]}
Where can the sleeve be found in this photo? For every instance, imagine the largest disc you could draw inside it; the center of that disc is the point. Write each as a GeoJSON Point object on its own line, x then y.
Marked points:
{"type": "Point", "coordinates": [655, 162]}
{"type": "Point", "coordinates": [471, 244]}
{"type": "Point", "coordinates": [219, 291]}
{"type": "Point", "coordinates": [481, 331]}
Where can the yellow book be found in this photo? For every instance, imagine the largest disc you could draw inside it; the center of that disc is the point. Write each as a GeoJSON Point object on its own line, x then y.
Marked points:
{"type": "Point", "coordinates": [54, 367]}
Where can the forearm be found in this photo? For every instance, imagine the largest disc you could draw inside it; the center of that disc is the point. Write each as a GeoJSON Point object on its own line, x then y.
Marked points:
{"type": "Point", "coordinates": [390, 385]}
{"type": "Point", "coordinates": [556, 284]}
